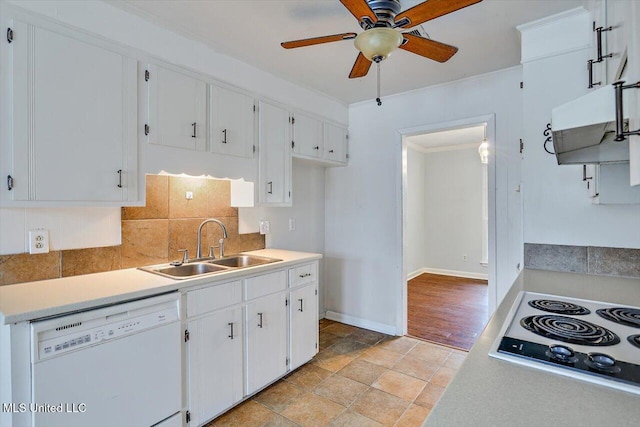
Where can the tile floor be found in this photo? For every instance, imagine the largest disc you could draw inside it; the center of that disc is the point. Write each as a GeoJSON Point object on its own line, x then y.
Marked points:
{"type": "Point", "coordinates": [359, 378]}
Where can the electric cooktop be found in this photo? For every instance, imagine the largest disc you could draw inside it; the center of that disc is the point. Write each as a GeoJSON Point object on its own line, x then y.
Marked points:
{"type": "Point", "coordinates": [593, 341]}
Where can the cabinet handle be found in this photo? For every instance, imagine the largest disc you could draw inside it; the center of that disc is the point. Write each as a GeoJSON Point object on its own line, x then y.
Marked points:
{"type": "Point", "coordinates": [590, 70]}
{"type": "Point", "coordinates": [305, 275]}
{"type": "Point", "coordinates": [231, 326]}
{"type": "Point", "coordinates": [620, 132]}
{"type": "Point", "coordinates": [300, 309]}
{"type": "Point", "coordinates": [270, 190]}
{"type": "Point", "coordinates": [317, 147]}
{"type": "Point", "coordinates": [224, 138]}
{"type": "Point", "coordinates": [194, 124]}
{"type": "Point", "coordinates": [331, 151]}
{"type": "Point", "coordinates": [146, 129]}
{"type": "Point", "coordinates": [119, 178]}
{"type": "Point", "coordinates": [260, 322]}
{"type": "Point", "coordinates": [599, 32]}
{"type": "Point", "coordinates": [9, 182]}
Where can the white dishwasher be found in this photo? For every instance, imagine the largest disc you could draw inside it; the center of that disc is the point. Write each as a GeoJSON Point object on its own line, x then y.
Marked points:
{"type": "Point", "coordinates": [114, 366]}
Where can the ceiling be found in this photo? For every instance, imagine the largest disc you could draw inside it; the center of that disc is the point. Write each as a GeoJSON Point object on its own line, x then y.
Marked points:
{"type": "Point", "coordinates": [251, 30]}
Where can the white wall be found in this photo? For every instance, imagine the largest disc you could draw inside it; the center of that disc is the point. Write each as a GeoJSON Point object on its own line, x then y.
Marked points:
{"type": "Point", "coordinates": [416, 236]}
{"type": "Point", "coordinates": [363, 243]}
{"type": "Point", "coordinates": [148, 40]}
{"type": "Point", "coordinates": [557, 209]}
{"type": "Point", "coordinates": [453, 211]}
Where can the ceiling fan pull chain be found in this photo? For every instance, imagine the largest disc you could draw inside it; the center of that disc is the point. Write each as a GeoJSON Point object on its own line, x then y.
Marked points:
{"type": "Point", "coordinates": [378, 98]}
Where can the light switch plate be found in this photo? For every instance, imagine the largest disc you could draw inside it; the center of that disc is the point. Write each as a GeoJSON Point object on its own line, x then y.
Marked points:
{"type": "Point", "coordinates": [38, 241]}
{"type": "Point", "coordinates": [292, 224]}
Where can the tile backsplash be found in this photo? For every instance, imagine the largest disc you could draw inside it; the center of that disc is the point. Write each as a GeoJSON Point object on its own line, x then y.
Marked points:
{"type": "Point", "coordinates": [594, 260]}
{"type": "Point", "coordinates": [150, 235]}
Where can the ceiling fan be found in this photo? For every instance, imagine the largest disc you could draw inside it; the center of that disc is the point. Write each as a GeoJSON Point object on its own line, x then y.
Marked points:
{"type": "Point", "coordinates": [380, 20]}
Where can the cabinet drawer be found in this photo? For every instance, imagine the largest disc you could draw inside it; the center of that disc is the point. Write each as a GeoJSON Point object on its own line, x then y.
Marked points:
{"type": "Point", "coordinates": [304, 274]}
{"type": "Point", "coordinates": [265, 284]}
{"type": "Point", "coordinates": [214, 297]}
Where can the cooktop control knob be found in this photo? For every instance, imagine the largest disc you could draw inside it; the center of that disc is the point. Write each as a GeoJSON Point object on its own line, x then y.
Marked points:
{"type": "Point", "coordinates": [602, 362]}
{"type": "Point", "coordinates": [561, 353]}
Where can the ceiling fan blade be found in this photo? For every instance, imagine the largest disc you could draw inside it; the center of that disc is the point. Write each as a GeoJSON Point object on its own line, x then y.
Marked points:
{"type": "Point", "coordinates": [318, 40]}
{"type": "Point", "coordinates": [428, 48]}
{"type": "Point", "coordinates": [429, 10]}
{"type": "Point", "coordinates": [360, 68]}
{"type": "Point", "coordinates": [360, 9]}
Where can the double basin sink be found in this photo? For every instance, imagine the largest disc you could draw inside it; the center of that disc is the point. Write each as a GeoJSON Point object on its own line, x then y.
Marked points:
{"type": "Point", "coordinates": [212, 266]}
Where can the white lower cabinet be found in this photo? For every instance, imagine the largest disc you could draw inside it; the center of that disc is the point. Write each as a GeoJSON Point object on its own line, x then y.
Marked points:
{"type": "Point", "coordinates": [244, 335]}
{"type": "Point", "coordinates": [266, 341]}
{"type": "Point", "coordinates": [304, 322]}
{"type": "Point", "coordinates": [215, 363]}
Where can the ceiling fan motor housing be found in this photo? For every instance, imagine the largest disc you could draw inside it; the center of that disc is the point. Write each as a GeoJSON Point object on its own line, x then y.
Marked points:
{"type": "Point", "coordinates": [385, 10]}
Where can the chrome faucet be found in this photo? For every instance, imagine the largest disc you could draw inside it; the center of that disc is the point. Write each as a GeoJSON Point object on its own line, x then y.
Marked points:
{"type": "Point", "coordinates": [224, 235]}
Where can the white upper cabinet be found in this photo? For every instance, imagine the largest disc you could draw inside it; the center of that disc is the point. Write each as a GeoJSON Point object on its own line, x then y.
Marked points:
{"type": "Point", "coordinates": [307, 136]}
{"type": "Point", "coordinates": [335, 143]}
{"type": "Point", "coordinates": [232, 122]}
{"type": "Point", "coordinates": [274, 159]}
{"type": "Point", "coordinates": [177, 108]}
{"type": "Point", "coordinates": [69, 114]}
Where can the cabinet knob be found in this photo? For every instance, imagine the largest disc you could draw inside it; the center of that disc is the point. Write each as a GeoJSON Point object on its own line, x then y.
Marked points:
{"type": "Point", "coordinates": [331, 151]}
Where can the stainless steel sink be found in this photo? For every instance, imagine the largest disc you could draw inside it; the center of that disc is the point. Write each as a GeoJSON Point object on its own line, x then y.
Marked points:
{"type": "Point", "coordinates": [242, 261]}
{"type": "Point", "coordinates": [185, 271]}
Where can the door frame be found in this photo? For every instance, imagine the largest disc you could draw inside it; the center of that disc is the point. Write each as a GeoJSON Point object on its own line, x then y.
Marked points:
{"type": "Point", "coordinates": [490, 121]}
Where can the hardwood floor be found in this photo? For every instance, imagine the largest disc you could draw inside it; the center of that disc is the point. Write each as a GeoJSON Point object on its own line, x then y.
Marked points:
{"type": "Point", "coordinates": [447, 310]}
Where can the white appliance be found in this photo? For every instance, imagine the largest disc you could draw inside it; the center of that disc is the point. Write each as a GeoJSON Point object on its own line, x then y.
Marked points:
{"type": "Point", "coordinates": [589, 340]}
{"type": "Point", "coordinates": [114, 366]}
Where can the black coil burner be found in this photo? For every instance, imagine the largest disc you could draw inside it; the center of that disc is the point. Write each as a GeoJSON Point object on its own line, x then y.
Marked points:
{"type": "Point", "coordinates": [569, 330]}
{"type": "Point", "coordinates": [559, 307]}
{"type": "Point", "coordinates": [622, 315]}
{"type": "Point", "coordinates": [634, 340]}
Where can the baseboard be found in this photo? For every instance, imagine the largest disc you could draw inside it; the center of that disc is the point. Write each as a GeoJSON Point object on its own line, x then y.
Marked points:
{"type": "Point", "coordinates": [361, 323]}
{"type": "Point", "coordinates": [466, 274]}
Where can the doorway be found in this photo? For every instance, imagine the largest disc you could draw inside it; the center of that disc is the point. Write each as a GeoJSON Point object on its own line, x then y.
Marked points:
{"type": "Point", "coordinates": [448, 230]}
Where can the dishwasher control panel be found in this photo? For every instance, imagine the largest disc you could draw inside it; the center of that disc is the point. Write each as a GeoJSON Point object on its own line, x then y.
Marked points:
{"type": "Point", "coordinates": [77, 333]}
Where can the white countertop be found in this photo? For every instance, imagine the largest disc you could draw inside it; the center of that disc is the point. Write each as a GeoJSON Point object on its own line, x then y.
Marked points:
{"type": "Point", "coordinates": [32, 300]}
{"type": "Point", "coordinates": [492, 392]}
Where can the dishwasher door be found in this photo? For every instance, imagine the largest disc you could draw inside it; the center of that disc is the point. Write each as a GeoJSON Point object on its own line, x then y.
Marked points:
{"type": "Point", "coordinates": [116, 366]}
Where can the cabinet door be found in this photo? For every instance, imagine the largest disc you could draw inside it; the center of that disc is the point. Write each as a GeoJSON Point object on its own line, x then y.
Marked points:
{"type": "Point", "coordinates": [307, 136]}
{"type": "Point", "coordinates": [266, 340]}
{"type": "Point", "coordinates": [633, 75]}
{"type": "Point", "coordinates": [335, 143]}
{"type": "Point", "coordinates": [274, 155]}
{"type": "Point", "coordinates": [177, 109]}
{"type": "Point", "coordinates": [304, 324]}
{"type": "Point", "coordinates": [215, 363]}
{"type": "Point", "coordinates": [70, 117]}
{"type": "Point", "coordinates": [232, 123]}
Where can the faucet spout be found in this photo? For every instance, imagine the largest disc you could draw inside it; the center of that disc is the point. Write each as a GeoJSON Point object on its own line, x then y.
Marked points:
{"type": "Point", "coordinates": [199, 243]}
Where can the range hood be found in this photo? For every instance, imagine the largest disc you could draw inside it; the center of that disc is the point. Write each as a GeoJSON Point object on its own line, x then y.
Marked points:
{"type": "Point", "coordinates": [584, 130]}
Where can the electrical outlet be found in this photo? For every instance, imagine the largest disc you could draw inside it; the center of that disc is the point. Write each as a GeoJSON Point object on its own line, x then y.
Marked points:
{"type": "Point", "coordinates": [292, 224]}
{"type": "Point", "coordinates": [188, 195]}
{"type": "Point", "coordinates": [464, 257]}
{"type": "Point", "coordinates": [265, 227]}
{"type": "Point", "coordinates": [38, 241]}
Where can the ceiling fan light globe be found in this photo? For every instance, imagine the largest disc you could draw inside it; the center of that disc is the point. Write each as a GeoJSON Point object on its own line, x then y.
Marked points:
{"type": "Point", "coordinates": [378, 43]}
